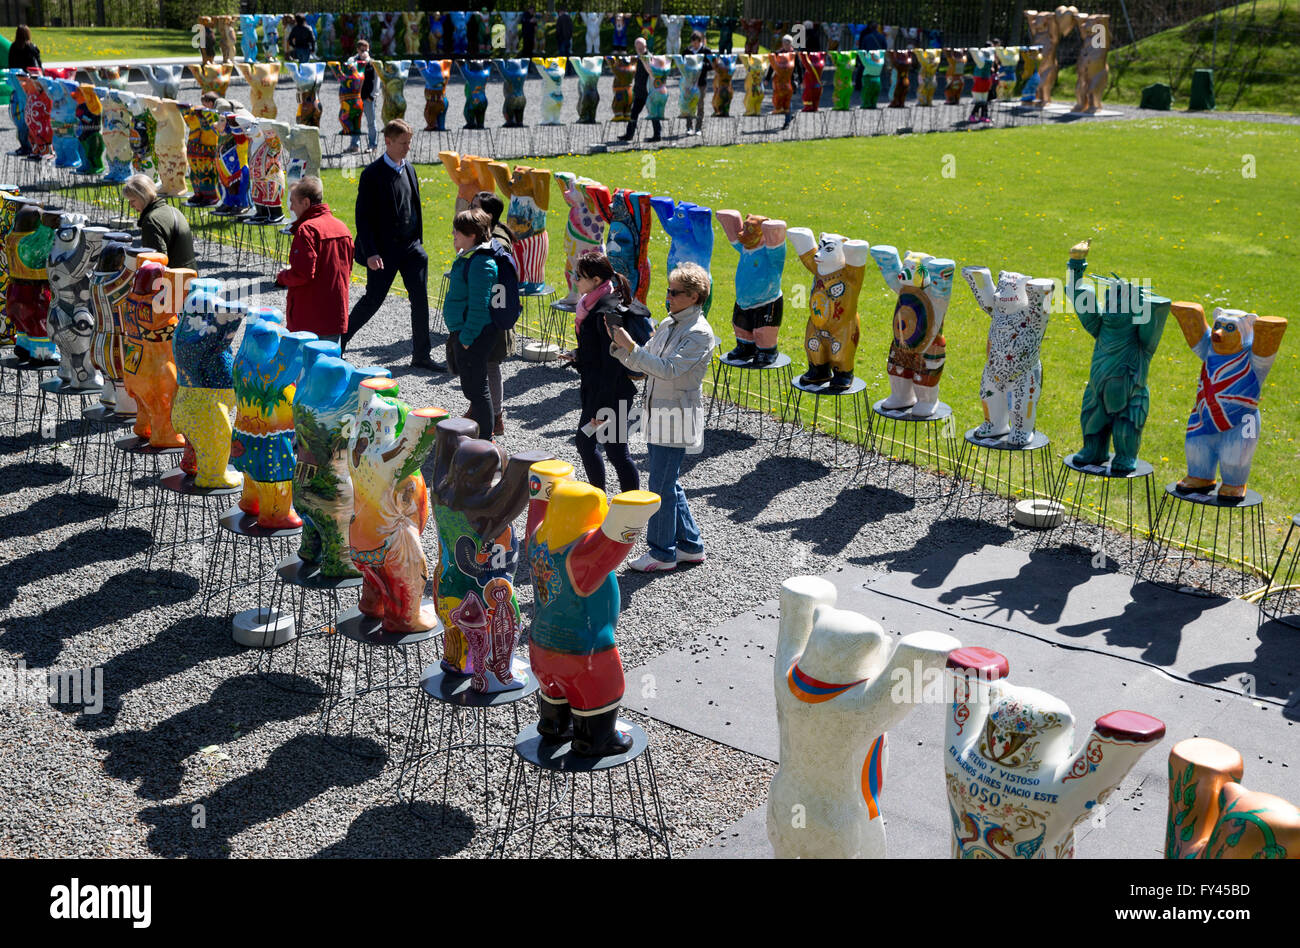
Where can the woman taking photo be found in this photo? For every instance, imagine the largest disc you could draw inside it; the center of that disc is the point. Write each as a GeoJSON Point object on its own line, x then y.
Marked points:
{"type": "Point", "coordinates": [607, 391]}
{"type": "Point", "coordinates": [675, 359]}
{"type": "Point", "coordinates": [467, 311]}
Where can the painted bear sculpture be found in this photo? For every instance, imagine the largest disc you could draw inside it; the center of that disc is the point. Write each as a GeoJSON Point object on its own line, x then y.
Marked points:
{"type": "Point", "coordinates": [588, 211]}
{"type": "Point", "coordinates": [72, 318]}
{"type": "Point", "coordinates": [205, 393]}
{"type": "Point", "coordinates": [1019, 308]}
{"type": "Point", "coordinates": [391, 506]}
{"type": "Point", "coordinates": [916, 356]}
{"type": "Point", "coordinates": [149, 365]}
{"type": "Point", "coordinates": [1016, 787]}
{"type": "Point", "coordinates": [838, 266]}
{"type": "Point", "coordinates": [477, 491]}
{"type": "Point", "coordinates": [835, 678]}
{"type": "Point", "coordinates": [756, 317]}
{"type": "Point", "coordinates": [528, 195]}
{"type": "Point", "coordinates": [1236, 351]}
{"type": "Point", "coordinates": [436, 73]}
{"type": "Point", "coordinates": [576, 539]}
{"type": "Point", "coordinates": [27, 300]}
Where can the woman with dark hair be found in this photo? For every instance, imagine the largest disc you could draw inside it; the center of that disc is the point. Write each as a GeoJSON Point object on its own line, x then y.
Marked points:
{"type": "Point", "coordinates": [467, 311]}
{"type": "Point", "coordinates": [607, 391]}
{"type": "Point", "coordinates": [23, 53]}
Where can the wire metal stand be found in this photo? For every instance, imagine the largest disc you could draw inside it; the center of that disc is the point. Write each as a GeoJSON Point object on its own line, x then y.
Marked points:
{"type": "Point", "coordinates": [134, 468]}
{"type": "Point", "coordinates": [357, 647]}
{"type": "Point", "coordinates": [227, 586]}
{"type": "Point", "coordinates": [988, 466]}
{"type": "Point", "coordinates": [1178, 544]}
{"type": "Point", "coordinates": [733, 388]}
{"type": "Point", "coordinates": [537, 321]}
{"type": "Point", "coordinates": [909, 443]}
{"type": "Point", "coordinates": [532, 812]}
{"type": "Point", "coordinates": [469, 724]}
{"type": "Point", "coordinates": [854, 395]}
{"type": "Point", "coordinates": [1281, 598]}
{"type": "Point", "coordinates": [48, 428]}
{"type": "Point", "coordinates": [184, 514]}
{"type": "Point", "coordinates": [315, 602]}
{"type": "Point", "coordinates": [91, 452]}
{"type": "Point", "coordinates": [1095, 517]}
{"type": "Point", "coordinates": [22, 390]}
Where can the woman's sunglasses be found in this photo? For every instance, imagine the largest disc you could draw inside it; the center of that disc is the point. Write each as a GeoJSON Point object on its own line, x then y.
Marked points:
{"type": "Point", "coordinates": [673, 292]}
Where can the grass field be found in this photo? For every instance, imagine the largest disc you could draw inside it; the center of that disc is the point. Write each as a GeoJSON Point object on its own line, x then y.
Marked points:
{"type": "Point", "coordinates": [86, 44]}
{"type": "Point", "coordinates": [1163, 199]}
{"type": "Point", "coordinates": [1253, 56]}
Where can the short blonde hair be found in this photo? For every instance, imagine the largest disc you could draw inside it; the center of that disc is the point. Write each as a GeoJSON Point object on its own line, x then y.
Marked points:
{"type": "Point", "coordinates": [693, 277]}
{"type": "Point", "coordinates": [141, 186]}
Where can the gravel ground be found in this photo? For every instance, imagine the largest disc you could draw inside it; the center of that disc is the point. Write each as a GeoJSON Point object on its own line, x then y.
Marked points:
{"type": "Point", "coordinates": [186, 721]}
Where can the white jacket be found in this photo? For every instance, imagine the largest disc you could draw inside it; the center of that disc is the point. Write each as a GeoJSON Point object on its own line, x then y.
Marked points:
{"type": "Point", "coordinates": [675, 360]}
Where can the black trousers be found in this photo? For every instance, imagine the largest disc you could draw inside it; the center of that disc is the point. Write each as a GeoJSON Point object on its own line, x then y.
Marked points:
{"type": "Point", "coordinates": [413, 265]}
{"type": "Point", "coordinates": [589, 452]}
{"type": "Point", "coordinates": [472, 367]}
{"type": "Point", "coordinates": [638, 103]}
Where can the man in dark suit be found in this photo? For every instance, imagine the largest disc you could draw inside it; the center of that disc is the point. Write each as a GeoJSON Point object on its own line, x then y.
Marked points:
{"type": "Point", "coordinates": [389, 241]}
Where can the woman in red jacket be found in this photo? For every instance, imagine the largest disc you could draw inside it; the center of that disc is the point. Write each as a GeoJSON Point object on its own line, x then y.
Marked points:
{"type": "Point", "coordinates": [320, 265]}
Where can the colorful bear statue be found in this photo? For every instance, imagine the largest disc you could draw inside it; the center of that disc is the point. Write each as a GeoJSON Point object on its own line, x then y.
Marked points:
{"type": "Point", "coordinates": [528, 193]}
{"type": "Point", "coordinates": [477, 492]}
{"type": "Point", "coordinates": [1236, 353]}
{"type": "Point", "coordinates": [391, 506]}
{"type": "Point", "coordinates": [248, 46]}
{"type": "Point", "coordinates": [436, 73]}
{"type": "Point", "coordinates": [350, 78]}
{"type": "Point", "coordinates": [551, 72]}
{"type": "Point", "coordinates": [201, 154]}
{"type": "Point", "coordinates": [873, 66]}
{"type": "Point", "coordinates": [782, 81]}
{"type": "Point", "coordinates": [63, 122]}
{"type": "Point", "coordinates": [266, 369]}
{"type": "Point", "coordinates": [110, 282]}
{"type": "Point", "coordinates": [576, 539]}
{"type": "Point", "coordinates": [325, 406]}
{"type": "Point", "coordinates": [1018, 308]}
{"type": "Point", "coordinates": [660, 69]}
{"type": "Point", "coordinates": [916, 356]}
{"type": "Point", "coordinates": [213, 78]}
{"type": "Point", "coordinates": [927, 61]}
{"type": "Point", "coordinates": [149, 366]}
{"type": "Point", "coordinates": [513, 101]}
{"type": "Point", "coordinates": [37, 115]}
{"type": "Point", "coordinates": [117, 136]}
{"type": "Point", "coordinates": [10, 202]}
{"type": "Point", "coordinates": [690, 231]}
{"type": "Point", "coordinates": [588, 69]}
{"type": "Point", "coordinates": [844, 64]}
{"type": "Point", "coordinates": [27, 301]}
{"type": "Point", "coordinates": [588, 211]}
{"type": "Point", "coordinates": [169, 146]}
{"type": "Point", "coordinates": [724, 67]}
{"type": "Point", "coordinates": [392, 74]}
{"type": "Point", "coordinates": [164, 81]}
{"type": "Point", "coordinates": [90, 136]}
{"type": "Point", "coordinates": [814, 64]}
{"type": "Point", "coordinates": [143, 131]}
{"type": "Point", "coordinates": [688, 87]}
{"type": "Point", "coordinates": [831, 337]}
{"type": "Point", "coordinates": [756, 316]}
{"type": "Point", "coordinates": [628, 242]}
{"type": "Point", "coordinates": [624, 71]}
{"type": "Point", "coordinates": [1016, 787]}
{"type": "Point", "coordinates": [71, 318]}
{"type": "Point", "coordinates": [262, 79]}
{"type": "Point", "coordinates": [1093, 70]}
{"type": "Point", "coordinates": [469, 173]}
{"type": "Point", "coordinates": [266, 167]}
{"type": "Point", "coordinates": [476, 74]}
{"type": "Point", "coordinates": [307, 80]}
{"type": "Point", "coordinates": [1126, 319]}
{"type": "Point", "coordinates": [835, 679]}
{"type": "Point", "coordinates": [1212, 816]}
{"type": "Point", "coordinates": [755, 66]}
{"type": "Point", "coordinates": [205, 393]}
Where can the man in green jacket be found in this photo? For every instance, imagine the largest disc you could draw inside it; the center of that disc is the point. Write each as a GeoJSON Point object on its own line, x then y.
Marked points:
{"type": "Point", "coordinates": [162, 227]}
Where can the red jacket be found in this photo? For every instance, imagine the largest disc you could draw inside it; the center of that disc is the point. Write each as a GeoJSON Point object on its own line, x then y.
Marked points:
{"type": "Point", "coordinates": [320, 271]}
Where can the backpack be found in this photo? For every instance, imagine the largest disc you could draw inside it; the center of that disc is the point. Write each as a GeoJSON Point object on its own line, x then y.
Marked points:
{"type": "Point", "coordinates": [639, 325]}
{"type": "Point", "coordinates": [506, 315]}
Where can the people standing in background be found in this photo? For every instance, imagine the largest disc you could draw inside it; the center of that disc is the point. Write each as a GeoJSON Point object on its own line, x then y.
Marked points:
{"type": "Point", "coordinates": [390, 240]}
{"type": "Point", "coordinates": [528, 32]}
{"type": "Point", "coordinates": [699, 48]}
{"type": "Point", "coordinates": [468, 312]}
{"type": "Point", "coordinates": [23, 53]}
{"type": "Point", "coordinates": [162, 227]}
{"type": "Point", "coordinates": [563, 33]}
{"type": "Point", "coordinates": [640, 92]}
{"type": "Point", "coordinates": [675, 360]}
{"type": "Point", "coordinates": [302, 40]}
{"type": "Point", "coordinates": [502, 243]}
{"type": "Point", "coordinates": [320, 265]}
{"type": "Point", "coordinates": [605, 390]}
{"type": "Point", "coordinates": [369, 92]}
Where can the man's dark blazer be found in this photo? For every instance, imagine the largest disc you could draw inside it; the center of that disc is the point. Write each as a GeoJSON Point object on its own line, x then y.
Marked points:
{"type": "Point", "coordinates": [376, 215]}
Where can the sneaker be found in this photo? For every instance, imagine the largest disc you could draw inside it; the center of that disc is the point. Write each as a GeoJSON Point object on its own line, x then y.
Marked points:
{"type": "Point", "coordinates": [684, 557]}
{"type": "Point", "coordinates": [646, 563]}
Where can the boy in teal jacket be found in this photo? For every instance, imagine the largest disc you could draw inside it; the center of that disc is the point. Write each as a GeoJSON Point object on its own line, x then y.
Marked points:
{"type": "Point", "coordinates": [467, 311]}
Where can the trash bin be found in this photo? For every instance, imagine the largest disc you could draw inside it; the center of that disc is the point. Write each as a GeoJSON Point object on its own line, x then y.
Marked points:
{"type": "Point", "coordinates": [1157, 96]}
{"type": "Point", "coordinates": [1202, 97]}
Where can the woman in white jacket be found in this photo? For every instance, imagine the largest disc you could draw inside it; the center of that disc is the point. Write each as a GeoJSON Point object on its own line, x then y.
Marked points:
{"type": "Point", "coordinates": [675, 360]}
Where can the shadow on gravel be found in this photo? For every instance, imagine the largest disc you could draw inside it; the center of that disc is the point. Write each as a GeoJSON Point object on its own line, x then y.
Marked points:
{"type": "Point", "coordinates": [176, 649]}
{"type": "Point", "coordinates": [830, 531]}
{"type": "Point", "coordinates": [1038, 592]}
{"type": "Point", "coordinates": [946, 541]}
{"type": "Point", "coordinates": [46, 513]}
{"type": "Point", "coordinates": [536, 413]}
{"type": "Point", "coordinates": [20, 476]}
{"type": "Point", "coordinates": [38, 640]}
{"type": "Point", "coordinates": [752, 494]}
{"type": "Point", "coordinates": [1272, 671]}
{"type": "Point", "coordinates": [295, 773]}
{"type": "Point", "coordinates": [74, 552]}
{"type": "Point", "coordinates": [157, 757]}
{"type": "Point", "coordinates": [399, 831]}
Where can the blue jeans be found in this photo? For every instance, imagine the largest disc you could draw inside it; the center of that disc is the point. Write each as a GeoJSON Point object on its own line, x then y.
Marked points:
{"type": "Point", "coordinates": [368, 110]}
{"type": "Point", "coordinates": [672, 524]}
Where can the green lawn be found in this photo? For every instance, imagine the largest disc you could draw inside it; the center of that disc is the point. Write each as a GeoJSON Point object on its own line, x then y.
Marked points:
{"type": "Point", "coordinates": [93, 43]}
{"type": "Point", "coordinates": [1253, 59]}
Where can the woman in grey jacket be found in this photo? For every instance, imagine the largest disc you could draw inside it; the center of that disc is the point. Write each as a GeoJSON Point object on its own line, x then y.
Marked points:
{"type": "Point", "coordinates": [675, 360]}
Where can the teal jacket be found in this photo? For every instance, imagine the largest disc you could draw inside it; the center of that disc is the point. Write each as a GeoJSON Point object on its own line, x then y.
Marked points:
{"type": "Point", "coordinates": [469, 297]}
